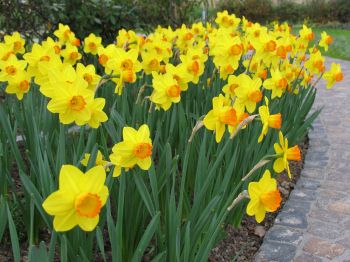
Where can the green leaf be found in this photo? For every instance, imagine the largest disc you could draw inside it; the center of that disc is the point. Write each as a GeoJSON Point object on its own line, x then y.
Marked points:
{"type": "Point", "coordinates": [38, 253]}
{"type": "Point", "coordinates": [100, 242]}
{"type": "Point", "coordinates": [38, 200]}
{"type": "Point", "coordinates": [14, 237]}
{"type": "Point", "coordinates": [63, 251]}
{"type": "Point", "coordinates": [3, 216]}
{"type": "Point", "coordinates": [146, 238]}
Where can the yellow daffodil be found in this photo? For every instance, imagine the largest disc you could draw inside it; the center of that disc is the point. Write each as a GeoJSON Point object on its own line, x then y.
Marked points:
{"type": "Point", "coordinates": [135, 149]}
{"type": "Point", "coordinates": [227, 53]}
{"type": "Point", "coordinates": [180, 74]}
{"type": "Point", "coordinates": [231, 86]}
{"type": "Point", "coordinates": [89, 74]}
{"type": "Point", "coordinates": [78, 200]}
{"type": "Point", "coordinates": [71, 101]}
{"type": "Point", "coordinates": [277, 83]}
{"type": "Point", "coordinates": [306, 34]}
{"type": "Point", "coordinates": [264, 197]}
{"type": "Point", "coordinates": [39, 59]}
{"type": "Point", "coordinates": [221, 115]}
{"type": "Point", "coordinates": [92, 43]}
{"type": "Point", "coordinates": [315, 63]}
{"type": "Point", "coordinates": [20, 85]}
{"type": "Point", "coordinates": [75, 42]}
{"type": "Point", "coordinates": [326, 40]}
{"type": "Point", "coordinates": [124, 64]}
{"type": "Point", "coordinates": [198, 29]}
{"type": "Point", "coordinates": [226, 20]}
{"type": "Point", "coordinates": [285, 153]}
{"type": "Point", "coordinates": [160, 46]}
{"type": "Point", "coordinates": [70, 54]}
{"type": "Point", "coordinates": [185, 38]}
{"type": "Point", "coordinates": [5, 51]}
{"type": "Point", "coordinates": [11, 68]}
{"type": "Point", "coordinates": [265, 47]}
{"type": "Point", "coordinates": [99, 159]}
{"type": "Point", "coordinates": [126, 38]}
{"type": "Point", "coordinates": [334, 75]}
{"type": "Point", "coordinates": [97, 116]}
{"type": "Point", "coordinates": [106, 53]}
{"type": "Point", "coordinates": [194, 66]}
{"type": "Point", "coordinates": [268, 120]}
{"type": "Point", "coordinates": [15, 42]}
{"type": "Point", "coordinates": [49, 43]}
{"type": "Point", "coordinates": [64, 34]}
{"type": "Point", "coordinates": [166, 90]}
{"type": "Point", "coordinates": [248, 92]}
{"type": "Point", "coordinates": [151, 62]}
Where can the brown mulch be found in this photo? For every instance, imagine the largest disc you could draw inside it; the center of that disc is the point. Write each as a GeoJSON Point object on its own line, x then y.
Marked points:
{"type": "Point", "coordinates": [241, 244]}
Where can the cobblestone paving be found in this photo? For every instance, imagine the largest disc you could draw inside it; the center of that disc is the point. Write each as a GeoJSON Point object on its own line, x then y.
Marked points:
{"type": "Point", "coordinates": [314, 225]}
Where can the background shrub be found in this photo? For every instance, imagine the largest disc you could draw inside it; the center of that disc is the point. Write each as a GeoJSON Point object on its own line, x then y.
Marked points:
{"type": "Point", "coordinates": [256, 10]}
{"type": "Point", "coordinates": [340, 10]}
{"type": "Point", "coordinates": [318, 11]}
{"type": "Point", "coordinates": [38, 18]}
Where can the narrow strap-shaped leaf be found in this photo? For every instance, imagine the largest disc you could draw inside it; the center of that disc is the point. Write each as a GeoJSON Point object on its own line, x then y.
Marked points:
{"type": "Point", "coordinates": [146, 238]}
{"type": "Point", "coordinates": [63, 251]}
{"type": "Point", "coordinates": [100, 242]}
{"type": "Point", "coordinates": [13, 236]}
{"type": "Point", "coordinates": [3, 217]}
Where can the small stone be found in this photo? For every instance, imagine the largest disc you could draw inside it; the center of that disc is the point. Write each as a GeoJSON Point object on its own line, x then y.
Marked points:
{"type": "Point", "coordinates": [283, 191]}
{"type": "Point", "coordinates": [285, 184]}
{"type": "Point", "coordinates": [259, 231]}
{"type": "Point", "coordinates": [322, 248]}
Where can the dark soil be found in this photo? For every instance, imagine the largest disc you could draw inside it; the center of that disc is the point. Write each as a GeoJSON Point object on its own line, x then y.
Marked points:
{"type": "Point", "coordinates": [241, 244]}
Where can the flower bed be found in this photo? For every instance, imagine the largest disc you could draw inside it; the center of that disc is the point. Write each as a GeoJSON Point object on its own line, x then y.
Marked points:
{"type": "Point", "coordinates": [147, 147]}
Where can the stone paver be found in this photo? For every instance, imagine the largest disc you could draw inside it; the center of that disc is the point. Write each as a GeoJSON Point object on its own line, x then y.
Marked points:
{"type": "Point", "coordinates": [314, 224]}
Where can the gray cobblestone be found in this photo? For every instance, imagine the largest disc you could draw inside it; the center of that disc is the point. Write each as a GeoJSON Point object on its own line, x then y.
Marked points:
{"type": "Point", "coordinates": [302, 194]}
{"type": "Point", "coordinates": [284, 235]}
{"type": "Point", "coordinates": [293, 205]}
{"type": "Point", "coordinates": [276, 252]}
{"type": "Point", "coordinates": [296, 219]}
{"type": "Point", "coordinates": [308, 184]}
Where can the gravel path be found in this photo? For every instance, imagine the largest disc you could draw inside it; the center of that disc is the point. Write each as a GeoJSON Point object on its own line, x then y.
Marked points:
{"type": "Point", "coordinates": [314, 225]}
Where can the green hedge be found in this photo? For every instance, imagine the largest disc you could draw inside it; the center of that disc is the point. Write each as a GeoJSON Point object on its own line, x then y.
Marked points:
{"type": "Point", "coordinates": [320, 11]}
{"type": "Point", "coordinates": [37, 18]}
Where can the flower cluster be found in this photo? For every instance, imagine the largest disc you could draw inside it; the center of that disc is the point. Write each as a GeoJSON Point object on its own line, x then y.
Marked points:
{"type": "Point", "coordinates": [252, 65]}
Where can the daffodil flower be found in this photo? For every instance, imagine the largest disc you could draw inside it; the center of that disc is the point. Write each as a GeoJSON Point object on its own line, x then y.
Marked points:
{"type": "Point", "coordinates": [285, 154]}
{"type": "Point", "coordinates": [79, 199]}
{"type": "Point", "coordinates": [268, 120]}
{"type": "Point", "coordinates": [135, 149]}
{"type": "Point", "coordinates": [264, 197]}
